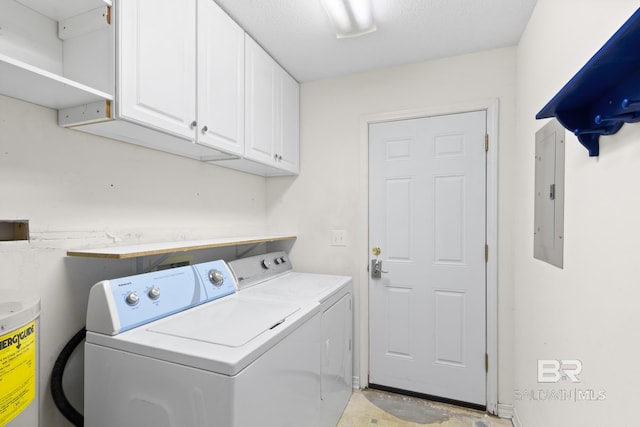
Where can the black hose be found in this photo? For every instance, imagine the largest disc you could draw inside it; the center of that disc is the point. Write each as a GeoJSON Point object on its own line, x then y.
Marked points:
{"type": "Point", "coordinates": [57, 392]}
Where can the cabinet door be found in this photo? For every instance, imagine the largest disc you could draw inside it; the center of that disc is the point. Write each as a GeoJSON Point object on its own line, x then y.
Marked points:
{"type": "Point", "coordinates": [220, 79]}
{"type": "Point", "coordinates": [289, 141]}
{"type": "Point", "coordinates": [156, 64]}
{"type": "Point", "coordinates": [261, 104]}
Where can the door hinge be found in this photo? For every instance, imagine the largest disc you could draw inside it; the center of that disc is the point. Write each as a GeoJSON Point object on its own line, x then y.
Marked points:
{"type": "Point", "coordinates": [486, 362]}
{"type": "Point", "coordinates": [486, 253]}
{"type": "Point", "coordinates": [486, 142]}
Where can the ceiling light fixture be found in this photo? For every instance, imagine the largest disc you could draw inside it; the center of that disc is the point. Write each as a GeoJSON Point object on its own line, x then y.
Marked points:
{"type": "Point", "coordinates": [350, 17]}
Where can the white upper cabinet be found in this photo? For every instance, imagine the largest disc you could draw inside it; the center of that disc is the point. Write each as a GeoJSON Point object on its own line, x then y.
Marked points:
{"type": "Point", "coordinates": [272, 111]}
{"type": "Point", "coordinates": [261, 103]}
{"type": "Point", "coordinates": [288, 149]}
{"type": "Point", "coordinates": [220, 73]}
{"type": "Point", "coordinates": [157, 64]}
{"type": "Point", "coordinates": [188, 81]}
{"type": "Point", "coordinates": [177, 76]}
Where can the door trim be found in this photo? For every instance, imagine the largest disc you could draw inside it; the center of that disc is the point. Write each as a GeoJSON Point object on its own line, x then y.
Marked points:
{"type": "Point", "coordinates": [491, 106]}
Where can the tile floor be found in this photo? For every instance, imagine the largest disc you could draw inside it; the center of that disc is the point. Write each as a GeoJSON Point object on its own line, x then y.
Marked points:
{"type": "Point", "coordinates": [382, 409]}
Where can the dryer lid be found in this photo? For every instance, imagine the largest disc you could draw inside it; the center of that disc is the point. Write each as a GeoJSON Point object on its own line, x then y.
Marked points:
{"type": "Point", "coordinates": [231, 322]}
{"type": "Point", "coordinates": [317, 287]}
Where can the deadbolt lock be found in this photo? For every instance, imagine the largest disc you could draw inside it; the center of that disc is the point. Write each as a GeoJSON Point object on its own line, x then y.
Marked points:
{"type": "Point", "coordinates": [376, 250]}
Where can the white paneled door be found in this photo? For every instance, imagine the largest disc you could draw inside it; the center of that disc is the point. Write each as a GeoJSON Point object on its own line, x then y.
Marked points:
{"type": "Point", "coordinates": [427, 221]}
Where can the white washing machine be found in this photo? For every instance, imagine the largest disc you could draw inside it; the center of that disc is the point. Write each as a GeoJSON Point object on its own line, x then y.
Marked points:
{"type": "Point", "coordinates": [270, 276]}
{"type": "Point", "coordinates": [181, 347]}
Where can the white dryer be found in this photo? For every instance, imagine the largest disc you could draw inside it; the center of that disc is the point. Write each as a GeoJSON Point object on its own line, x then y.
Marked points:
{"type": "Point", "coordinates": [270, 276]}
{"type": "Point", "coordinates": [181, 347]}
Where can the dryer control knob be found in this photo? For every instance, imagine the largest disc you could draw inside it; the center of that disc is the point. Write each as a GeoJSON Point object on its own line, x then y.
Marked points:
{"type": "Point", "coordinates": [266, 264]}
{"type": "Point", "coordinates": [153, 293]}
{"type": "Point", "coordinates": [216, 277]}
{"type": "Point", "coordinates": [132, 298]}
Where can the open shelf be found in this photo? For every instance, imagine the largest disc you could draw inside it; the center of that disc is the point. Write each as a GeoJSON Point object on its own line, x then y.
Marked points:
{"type": "Point", "coordinates": [58, 10]}
{"type": "Point", "coordinates": [24, 77]}
{"type": "Point", "coordinates": [42, 87]}
{"type": "Point", "coordinates": [135, 251]}
{"type": "Point", "coordinates": [605, 93]}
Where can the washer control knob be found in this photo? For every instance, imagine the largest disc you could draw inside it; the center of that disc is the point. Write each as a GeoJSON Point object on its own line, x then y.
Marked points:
{"type": "Point", "coordinates": [216, 277]}
{"type": "Point", "coordinates": [132, 298]}
{"type": "Point", "coordinates": [283, 260]}
{"type": "Point", "coordinates": [153, 293]}
{"type": "Point", "coordinates": [278, 261]}
{"type": "Point", "coordinates": [266, 264]}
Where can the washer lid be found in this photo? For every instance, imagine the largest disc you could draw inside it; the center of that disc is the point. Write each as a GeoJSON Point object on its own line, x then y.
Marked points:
{"type": "Point", "coordinates": [231, 322]}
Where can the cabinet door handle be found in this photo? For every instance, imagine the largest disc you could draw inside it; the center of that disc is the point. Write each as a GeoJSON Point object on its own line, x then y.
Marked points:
{"type": "Point", "coordinates": [194, 124]}
{"type": "Point", "coordinates": [205, 129]}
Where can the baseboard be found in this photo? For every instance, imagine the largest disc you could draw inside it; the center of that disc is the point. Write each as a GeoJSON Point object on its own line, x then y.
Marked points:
{"type": "Point", "coordinates": [508, 412]}
{"type": "Point", "coordinates": [515, 420]}
{"type": "Point", "coordinates": [355, 383]}
{"type": "Point", "coordinates": [505, 411]}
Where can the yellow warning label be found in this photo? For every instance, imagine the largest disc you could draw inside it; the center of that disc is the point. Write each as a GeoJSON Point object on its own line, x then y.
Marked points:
{"type": "Point", "coordinates": [17, 371]}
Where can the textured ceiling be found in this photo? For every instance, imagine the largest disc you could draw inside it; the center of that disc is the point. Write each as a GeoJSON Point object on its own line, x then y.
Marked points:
{"type": "Point", "coordinates": [299, 35]}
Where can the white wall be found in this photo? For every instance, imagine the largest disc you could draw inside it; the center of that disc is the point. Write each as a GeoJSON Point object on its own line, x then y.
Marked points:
{"type": "Point", "coordinates": [589, 309]}
{"type": "Point", "coordinates": [78, 190]}
{"type": "Point", "coordinates": [330, 192]}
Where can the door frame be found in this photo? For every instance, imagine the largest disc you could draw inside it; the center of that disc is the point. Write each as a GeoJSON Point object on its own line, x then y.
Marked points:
{"type": "Point", "coordinates": [491, 106]}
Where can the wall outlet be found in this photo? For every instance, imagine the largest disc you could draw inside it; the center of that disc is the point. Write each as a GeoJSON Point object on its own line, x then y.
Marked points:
{"type": "Point", "coordinates": [338, 238]}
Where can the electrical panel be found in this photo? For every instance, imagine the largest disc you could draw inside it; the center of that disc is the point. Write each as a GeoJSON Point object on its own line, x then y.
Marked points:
{"type": "Point", "coordinates": [548, 233]}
